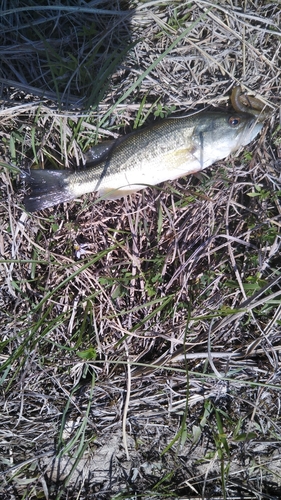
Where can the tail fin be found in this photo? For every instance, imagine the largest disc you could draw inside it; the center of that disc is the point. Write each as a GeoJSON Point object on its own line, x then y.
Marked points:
{"type": "Point", "coordinates": [48, 188]}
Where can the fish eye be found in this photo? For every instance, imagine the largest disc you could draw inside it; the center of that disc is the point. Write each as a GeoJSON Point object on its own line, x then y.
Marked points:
{"type": "Point", "coordinates": [234, 121]}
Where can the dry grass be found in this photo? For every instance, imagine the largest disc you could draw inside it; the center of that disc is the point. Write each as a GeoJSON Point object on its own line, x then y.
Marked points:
{"type": "Point", "coordinates": [140, 339]}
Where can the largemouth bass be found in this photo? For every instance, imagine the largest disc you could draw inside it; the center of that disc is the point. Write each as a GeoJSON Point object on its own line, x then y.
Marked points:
{"type": "Point", "coordinates": [171, 148]}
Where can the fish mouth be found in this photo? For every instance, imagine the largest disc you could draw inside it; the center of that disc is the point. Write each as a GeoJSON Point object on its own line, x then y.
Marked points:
{"type": "Point", "coordinates": [251, 131]}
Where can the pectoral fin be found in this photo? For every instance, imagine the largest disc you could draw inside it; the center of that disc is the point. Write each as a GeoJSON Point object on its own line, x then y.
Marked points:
{"type": "Point", "coordinates": [182, 162]}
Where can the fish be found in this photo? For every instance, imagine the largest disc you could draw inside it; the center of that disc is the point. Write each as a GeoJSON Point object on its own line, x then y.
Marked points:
{"type": "Point", "coordinates": [171, 148]}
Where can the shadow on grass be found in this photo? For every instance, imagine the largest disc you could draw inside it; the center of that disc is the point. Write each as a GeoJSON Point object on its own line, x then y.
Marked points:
{"type": "Point", "coordinates": [66, 53]}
